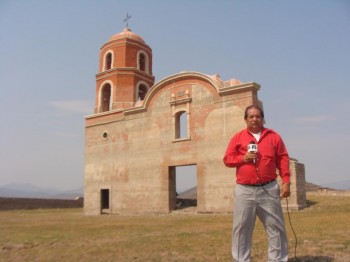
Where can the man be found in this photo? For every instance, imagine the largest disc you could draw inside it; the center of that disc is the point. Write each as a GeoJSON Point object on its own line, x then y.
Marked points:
{"type": "Point", "coordinates": [257, 192]}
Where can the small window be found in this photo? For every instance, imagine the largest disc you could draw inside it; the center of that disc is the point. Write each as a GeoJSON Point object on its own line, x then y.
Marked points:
{"type": "Point", "coordinates": [108, 61]}
{"type": "Point", "coordinates": [181, 130]}
{"type": "Point", "coordinates": [105, 97]}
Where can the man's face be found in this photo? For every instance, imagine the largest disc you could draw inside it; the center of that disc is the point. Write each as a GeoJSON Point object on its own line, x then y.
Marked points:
{"type": "Point", "coordinates": [254, 120]}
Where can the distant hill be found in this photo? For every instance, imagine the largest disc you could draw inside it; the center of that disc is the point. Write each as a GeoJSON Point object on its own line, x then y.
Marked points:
{"type": "Point", "coordinates": [189, 194]}
{"type": "Point", "coordinates": [25, 190]}
{"type": "Point", "coordinates": [340, 185]}
{"type": "Point", "coordinates": [311, 187]}
{"type": "Point", "coordinates": [192, 192]}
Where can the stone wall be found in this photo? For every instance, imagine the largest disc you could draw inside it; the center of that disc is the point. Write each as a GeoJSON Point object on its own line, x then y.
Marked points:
{"type": "Point", "coordinates": [36, 203]}
{"type": "Point", "coordinates": [297, 199]}
{"type": "Point", "coordinates": [329, 192]}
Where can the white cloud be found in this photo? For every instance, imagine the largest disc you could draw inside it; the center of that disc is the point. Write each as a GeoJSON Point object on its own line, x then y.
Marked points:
{"type": "Point", "coordinates": [73, 106]}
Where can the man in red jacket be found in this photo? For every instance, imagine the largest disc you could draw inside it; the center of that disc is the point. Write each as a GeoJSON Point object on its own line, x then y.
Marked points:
{"type": "Point", "coordinates": [257, 192]}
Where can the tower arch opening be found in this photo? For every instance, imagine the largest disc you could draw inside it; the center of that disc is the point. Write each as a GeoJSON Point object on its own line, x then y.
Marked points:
{"type": "Point", "coordinates": [142, 61]}
{"type": "Point", "coordinates": [141, 92]}
{"type": "Point", "coordinates": [108, 60]}
{"type": "Point", "coordinates": [106, 97]}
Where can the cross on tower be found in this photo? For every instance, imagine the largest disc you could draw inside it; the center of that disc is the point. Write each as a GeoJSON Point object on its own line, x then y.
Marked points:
{"type": "Point", "coordinates": [127, 20]}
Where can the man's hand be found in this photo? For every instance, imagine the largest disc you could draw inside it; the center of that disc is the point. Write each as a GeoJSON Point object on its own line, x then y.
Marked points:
{"type": "Point", "coordinates": [285, 190]}
{"type": "Point", "coordinates": [249, 157]}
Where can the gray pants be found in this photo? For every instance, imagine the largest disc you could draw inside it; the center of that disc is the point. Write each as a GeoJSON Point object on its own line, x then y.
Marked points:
{"type": "Point", "coordinates": [253, 201]}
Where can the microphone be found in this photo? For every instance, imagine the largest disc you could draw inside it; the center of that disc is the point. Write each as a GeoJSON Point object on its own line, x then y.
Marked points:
{"type": "Point", "coordinates": [252, 147]}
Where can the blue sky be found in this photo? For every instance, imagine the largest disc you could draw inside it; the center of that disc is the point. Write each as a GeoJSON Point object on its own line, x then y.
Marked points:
{"type": "Point", "coordinates": [298, 51]}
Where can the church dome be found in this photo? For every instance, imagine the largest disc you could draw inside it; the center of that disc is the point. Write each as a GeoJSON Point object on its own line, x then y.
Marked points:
{"type": "Point", "coordinates": [127, 33]}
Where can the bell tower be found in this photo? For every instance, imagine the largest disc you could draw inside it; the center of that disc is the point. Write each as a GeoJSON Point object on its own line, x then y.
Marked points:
{"type": "Point", "coordinates": [125, 72]}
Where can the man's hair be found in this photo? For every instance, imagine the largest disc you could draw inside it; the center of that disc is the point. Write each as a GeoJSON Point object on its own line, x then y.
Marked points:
{"type": "Point", "coordinates": [251, 107]}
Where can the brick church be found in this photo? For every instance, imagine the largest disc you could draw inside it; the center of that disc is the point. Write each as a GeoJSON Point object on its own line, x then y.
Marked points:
{"type": "Point", "coordinates": [141, 131]}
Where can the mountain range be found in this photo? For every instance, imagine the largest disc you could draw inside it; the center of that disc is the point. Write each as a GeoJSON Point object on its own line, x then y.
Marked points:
{"type": "Point", "coordinates": [25, 190]}
{"type": "Point", "coordinates": [339, 185]}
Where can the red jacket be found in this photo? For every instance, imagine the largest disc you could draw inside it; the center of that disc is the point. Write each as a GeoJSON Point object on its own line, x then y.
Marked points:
{"type": "Point", "coordinates": [272, 155]}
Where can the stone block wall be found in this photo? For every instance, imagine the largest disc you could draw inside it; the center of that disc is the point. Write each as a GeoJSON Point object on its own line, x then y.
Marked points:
{"type": "Point", "coordinates": [297, 199]}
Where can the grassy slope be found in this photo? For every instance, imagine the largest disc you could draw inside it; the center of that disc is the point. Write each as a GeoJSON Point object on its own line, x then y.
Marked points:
{"type": "Point", "coordinates": [67, 235]}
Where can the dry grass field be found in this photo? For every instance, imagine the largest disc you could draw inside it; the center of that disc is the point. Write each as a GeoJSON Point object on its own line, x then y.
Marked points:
{"type": "Point", "coordinates": [322, 229]}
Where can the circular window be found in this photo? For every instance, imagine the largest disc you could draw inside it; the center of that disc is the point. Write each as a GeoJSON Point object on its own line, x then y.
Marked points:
{"type": "Point", "coordinates": [105, 135]}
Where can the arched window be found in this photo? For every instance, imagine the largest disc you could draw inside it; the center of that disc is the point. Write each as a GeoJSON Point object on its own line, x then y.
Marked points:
{"type": "Point", "coordinates": [142, 62]}
{"type": "Point", "coordinates": [142, 91]}
{"type": "Point", "coordinates": [105, 97]}
{"type": "Point", "coordinates": [181, 125]}
{"type": "Point", "coordinates": [108, 61]}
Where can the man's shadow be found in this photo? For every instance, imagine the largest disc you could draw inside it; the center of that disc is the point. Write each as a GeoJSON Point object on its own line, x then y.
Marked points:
{"type": "Point", "coordinates": [312, 259]}
{"type": "Point", "coordinates": [310, 203]}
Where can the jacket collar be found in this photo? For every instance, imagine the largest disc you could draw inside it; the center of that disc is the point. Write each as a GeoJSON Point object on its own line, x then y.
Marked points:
{"type": "Point", "coordinates": [264, 131]}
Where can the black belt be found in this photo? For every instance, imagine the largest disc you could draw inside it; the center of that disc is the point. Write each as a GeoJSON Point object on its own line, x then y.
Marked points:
{"type": "Point", "coordinates": [261, 184]}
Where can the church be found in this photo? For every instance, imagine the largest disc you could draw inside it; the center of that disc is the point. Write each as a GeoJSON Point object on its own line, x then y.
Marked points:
{"type": "Point", "coordinates": [141, 131]}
